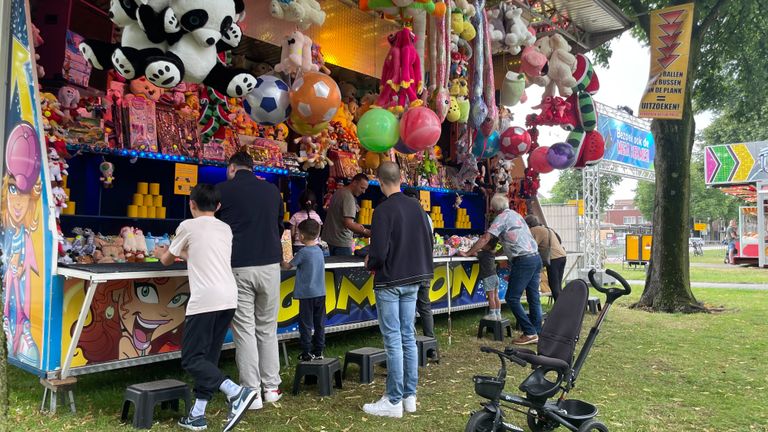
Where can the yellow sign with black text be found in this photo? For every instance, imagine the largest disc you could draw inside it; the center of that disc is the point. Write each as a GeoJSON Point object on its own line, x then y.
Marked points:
{"type": "Point", "coordinates": [184, 179]}
{"type": "Point", "coordinates": [670, 41]}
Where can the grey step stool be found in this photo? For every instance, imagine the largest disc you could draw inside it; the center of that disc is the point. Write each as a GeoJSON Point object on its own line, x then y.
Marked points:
{"type": "Point", "coordinates": [366, 358]}
{"type": "Point", "coordinates": [146, 396]}
{"type": "Point", "coordinates": [318, 372]}
{"type": "Point", "coordinates": [496, 327]}
{"type": "Point", "coordinates": [593, 305]}
{"type": "Point", "coordinates": [427, 345]}
{"type": "Point", "coordinates": [52, 388]}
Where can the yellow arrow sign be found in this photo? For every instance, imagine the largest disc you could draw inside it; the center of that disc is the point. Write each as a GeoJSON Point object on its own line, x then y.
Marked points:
{"type": "Point", "coordinates": [21, 79]}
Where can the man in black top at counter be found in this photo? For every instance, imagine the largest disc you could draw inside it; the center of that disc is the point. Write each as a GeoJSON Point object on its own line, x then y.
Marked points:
{"type": "Point", "coordinates": [400, 257]}
{"type": "Point", "coordinates": [253, 209]}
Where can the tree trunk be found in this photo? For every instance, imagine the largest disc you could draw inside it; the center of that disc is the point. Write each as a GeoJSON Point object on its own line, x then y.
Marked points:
{"type": "Point", "coordinates": [668, 284]}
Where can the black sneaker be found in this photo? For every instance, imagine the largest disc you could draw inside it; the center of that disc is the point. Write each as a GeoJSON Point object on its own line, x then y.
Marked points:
{"type": "Point", "coordinates": [317, 356]}
{"type": "Point", "coordinates": [306, 357]}
{"type": "Point", "coordinates": [193, 423]}
{"type": "Point", "coordinates": [238, 406]}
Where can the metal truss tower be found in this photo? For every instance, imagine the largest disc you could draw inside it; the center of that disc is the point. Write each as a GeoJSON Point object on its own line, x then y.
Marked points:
{"type": "Point", "coordinates": [592, 246]}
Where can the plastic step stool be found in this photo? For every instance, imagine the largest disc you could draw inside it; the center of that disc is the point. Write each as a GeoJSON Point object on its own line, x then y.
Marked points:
{"type": "Point", "coordinates": [427, 345]}
{"type": "Point", "coordinates": [496, 327]}
{"type": "Point", "coordinates": [318, 372]}
{"type": "Point", "coordinates": [146, 396]}
{"type": "Point", "coordinates": [366, 358]}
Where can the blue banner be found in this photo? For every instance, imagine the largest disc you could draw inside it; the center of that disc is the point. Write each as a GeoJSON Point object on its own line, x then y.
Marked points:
{"type": "Point", "coordinates": [626, 143]}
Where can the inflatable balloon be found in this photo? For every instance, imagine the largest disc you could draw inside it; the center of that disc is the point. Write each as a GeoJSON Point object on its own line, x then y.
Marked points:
{"type": "Point", "coordinates": [537, 160]}
{"type": "Point", "coordinates": [377, 130]}
{"type": "Point", "coordinates": [301, 127]}
{"type": "Point", "coordinates": [372, 160]}
{"type": "Point", "coordinates": [269, 103]}
{"type": "Point", "coordinates": [419, 128]}
{"type": "Point", "coordinates": [315, 97]}
{"type": "Point", "coordinates": [400, 147]}
{"type": "Point", "coordinates": [561, 156]}
{"type": "Point", "coordinates": [515, 141]}
{"type": "Point", "coordinates": [486, 147]}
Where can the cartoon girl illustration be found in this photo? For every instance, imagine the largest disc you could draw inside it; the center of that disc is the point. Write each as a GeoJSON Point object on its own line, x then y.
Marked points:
{"type": "Point", "coordinates": [135, 318]}
{"type": "Point", "coordinates": [19, 215]}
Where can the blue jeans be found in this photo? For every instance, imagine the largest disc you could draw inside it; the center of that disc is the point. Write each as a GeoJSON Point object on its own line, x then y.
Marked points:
{"type": "Point", "coordinates": [525, 275]}
{"type": "Point", "coordinates": [396, 308]}
{"type": "Point", "coordinates": [340, 251]}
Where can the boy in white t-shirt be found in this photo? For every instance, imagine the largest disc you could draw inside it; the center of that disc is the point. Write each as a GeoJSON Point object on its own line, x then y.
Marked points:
{"type": "Point", "coordinates": [206, 243]}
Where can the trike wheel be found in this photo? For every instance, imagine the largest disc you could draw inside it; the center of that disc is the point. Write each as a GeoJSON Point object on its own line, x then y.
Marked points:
{"type": "Point", "coordinates": [481, 421]}
{"type": "Point", "coordinates": [536, 424]}
{"type": "Point", "coordinates": [593, 425]}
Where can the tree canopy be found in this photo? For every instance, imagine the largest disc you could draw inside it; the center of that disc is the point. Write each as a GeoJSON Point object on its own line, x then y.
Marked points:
{"type": "Point", "coordinates": [569, 187]}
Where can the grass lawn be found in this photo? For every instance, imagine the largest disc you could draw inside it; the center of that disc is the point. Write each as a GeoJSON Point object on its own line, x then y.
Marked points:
{"type": "Point", "coordinates": [647, 372]}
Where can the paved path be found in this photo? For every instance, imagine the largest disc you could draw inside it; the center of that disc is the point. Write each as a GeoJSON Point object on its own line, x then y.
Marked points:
{"type": "Point", "coordinates": [759, 287]}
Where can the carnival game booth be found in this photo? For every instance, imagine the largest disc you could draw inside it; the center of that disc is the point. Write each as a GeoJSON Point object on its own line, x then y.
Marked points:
{"type": "Point", "coordinates": [741, 170]}
{"type": "Point", "coordinates": [103, 144]}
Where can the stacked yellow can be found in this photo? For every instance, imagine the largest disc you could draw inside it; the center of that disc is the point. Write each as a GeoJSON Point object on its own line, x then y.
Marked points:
{"type": "Point", "coordinates": [462, 219]}
{"type": "Point", "coordinates": [147, 202]}
{"type": "Point", "coordinates": [70, 208]}
{"type": "Point", "coordinates": [437, 217]}
{"type": "Point", "coordinates": [286, 215]}
{"type": "Point", "coordinates": [365, 216]}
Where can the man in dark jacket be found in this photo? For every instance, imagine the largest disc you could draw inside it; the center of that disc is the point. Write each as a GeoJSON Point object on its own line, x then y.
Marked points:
{"type": "Point", "coordinates": [400, 257]}
{"type": "Point", "coordinates": [253, 209]}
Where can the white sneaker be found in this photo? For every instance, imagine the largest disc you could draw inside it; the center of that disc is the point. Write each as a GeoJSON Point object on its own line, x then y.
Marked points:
{"type": "Point", "coordinates": [384, 408]}
{"type": "Point", "coordinates": [498, 317]}
{"type": "Point", "coordinates": [490, 317]}
{"type": "Point", "coordinates": [409, 404]}
{"type": "Point", "coordinates": [272, 396]}
{"type": "Point", "coordinates": [257, 404]}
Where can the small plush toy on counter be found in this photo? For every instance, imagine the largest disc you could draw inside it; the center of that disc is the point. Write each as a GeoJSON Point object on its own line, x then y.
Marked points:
{"type": "Point", "coordinates": [107, 170]}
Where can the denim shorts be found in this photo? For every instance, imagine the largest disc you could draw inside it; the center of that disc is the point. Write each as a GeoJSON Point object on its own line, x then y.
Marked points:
{"type": "Point", "coordinates": [491, 283]}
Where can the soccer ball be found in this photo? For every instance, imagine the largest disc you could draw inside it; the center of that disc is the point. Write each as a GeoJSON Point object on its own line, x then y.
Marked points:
{"type": "Point", "coordinates": [269, 103]}
{"type": "Point", "coordinates": [515, 141]}
{"type": "Point", "coordinates": [315, 98]}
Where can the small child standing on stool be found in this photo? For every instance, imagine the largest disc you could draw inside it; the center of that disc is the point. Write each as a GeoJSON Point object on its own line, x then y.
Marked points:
{"type": "Point", "coordinates": [487, 259]}
{"type": "Point", "coordinates": [309, 290]}
{"type": "Point", "coordinates": [206, 244]}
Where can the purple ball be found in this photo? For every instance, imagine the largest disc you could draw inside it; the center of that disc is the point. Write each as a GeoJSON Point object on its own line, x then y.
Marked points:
{"type": "Point", "coordinates": [561, 156]}
{"type": "Point", "coordinates": [404, 149]}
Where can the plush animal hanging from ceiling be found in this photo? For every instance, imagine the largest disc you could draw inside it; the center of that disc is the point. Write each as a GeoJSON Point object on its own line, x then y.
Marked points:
{"type": "Point", "coordinates": [490, 123]}
{"type": "Point", "coordinates": [517, 33]}
{"type": "Point", "coordinates": [561, 65]}
{"type": "Point", "coordinates": [439, 60]}
{"type": "Point", "coordinates": [302, 12]}
{"type": "Point", "coordinates": [401, 77]}
{"type": "Point", "coordinates": [142, 37]}
{"type": "Point", "coordinates": [479, 110]}
{"type": "Point", "coordinates": [296, 54]}
{"type": "Point", "coordinates": [198, 30]}
{"type": "Point", "coordinates": [496, 28]}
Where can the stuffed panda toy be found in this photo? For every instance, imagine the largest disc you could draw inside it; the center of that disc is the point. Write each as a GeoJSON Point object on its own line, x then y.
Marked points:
{"type": "Point", "coordinates": [136, 45]}
{"type": "Point", "coordinates": [196, 30]}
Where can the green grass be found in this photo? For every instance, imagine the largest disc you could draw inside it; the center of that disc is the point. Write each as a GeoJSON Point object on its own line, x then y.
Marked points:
{"type": "Point", "coordinates": [647, 372]}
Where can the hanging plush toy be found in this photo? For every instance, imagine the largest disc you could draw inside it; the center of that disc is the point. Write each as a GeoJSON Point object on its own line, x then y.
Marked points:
{"type": "Point", "coordinates": [296, 54]}
{"type": "Point", "coordinates": [490, 123]}
{"type": "Point", "coordinates": [401, 77]}
{"type": "Point", "coordinates": [561, 64]}
{"type": "Point", "coordinates": [196, 28]}
{"type": "Point", "coordinates": [142, 37]}
{"type": "Point", "coordinates": [302, 12]}
{"type": "Point", "coordinates": [107, 170]}
{"type": "Point", "coordinates": [517, 33]}
{"type": "Point", "coordinates": [479, 110]}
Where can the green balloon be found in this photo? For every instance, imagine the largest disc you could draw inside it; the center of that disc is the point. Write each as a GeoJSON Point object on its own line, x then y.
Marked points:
{"type": "Point", "coordinates": [378, 130]}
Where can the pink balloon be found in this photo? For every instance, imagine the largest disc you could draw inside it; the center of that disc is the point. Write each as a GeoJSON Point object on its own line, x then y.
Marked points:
{"type": "Point", "coordinates": [537, 160]}
{"type": "Point", "coordinates": [419, 128]}
{"type": "Point", "coordinates": [515, 141]}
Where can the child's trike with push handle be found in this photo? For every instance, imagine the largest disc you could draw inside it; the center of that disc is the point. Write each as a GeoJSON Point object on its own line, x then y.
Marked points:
{"type": "Point", "coordinates": [554, 369]}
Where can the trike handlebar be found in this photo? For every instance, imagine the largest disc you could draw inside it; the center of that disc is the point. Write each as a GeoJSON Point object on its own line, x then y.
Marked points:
{"type": "Point", "coordinates": [511, 357]}
{"type": "Point", "coordinates": [612, 292]}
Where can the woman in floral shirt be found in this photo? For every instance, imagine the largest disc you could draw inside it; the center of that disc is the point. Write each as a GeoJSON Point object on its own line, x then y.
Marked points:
{"type": "Point", "coordinates": [525, 272]}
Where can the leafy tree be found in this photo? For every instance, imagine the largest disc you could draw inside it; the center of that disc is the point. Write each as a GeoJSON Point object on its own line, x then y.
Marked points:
{"type": "Point", "coordinates": [569, 187]}
{"type": "Point", "coordinates": [725, 67]}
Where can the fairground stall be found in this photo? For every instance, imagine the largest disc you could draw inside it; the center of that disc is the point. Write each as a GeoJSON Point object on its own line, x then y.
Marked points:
{"type": "Point", "coordinates": [742, 170]}
{"type": "Point", "coordinates": [110, 123]}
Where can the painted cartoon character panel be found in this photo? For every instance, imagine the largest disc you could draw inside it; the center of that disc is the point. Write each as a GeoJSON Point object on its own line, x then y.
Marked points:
{"type": "Point", "coordinates": [131, 319]}
{"type": "Point", "coordinates": [19, 207]}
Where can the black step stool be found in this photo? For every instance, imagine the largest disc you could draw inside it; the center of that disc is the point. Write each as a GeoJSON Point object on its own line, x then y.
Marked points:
{"type": "Point", "coordinates": [495, 326]}
{"type": "Point", "coordinates": [593, 305]}
{"type": "Point", "coordinates": [366, 358]}
{"type": "Point", "coordinates": [146, 396]}
{"type": "Point", "coordinates": [427, 345]}
{"type": "Point", "coordinates": [318, 372]}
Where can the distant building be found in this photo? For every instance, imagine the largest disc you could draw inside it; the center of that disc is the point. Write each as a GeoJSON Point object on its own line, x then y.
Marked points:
{"type": "Point", "coordinates": [625, 213]}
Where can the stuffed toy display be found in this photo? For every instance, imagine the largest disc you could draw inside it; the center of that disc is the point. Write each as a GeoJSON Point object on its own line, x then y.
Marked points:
{"type": "Point", "coordinates": [496, 28]}
{"type": "Point", "coordinates": [401, 77]}
{"type": "Point", "coordinates": [561, 65]}
{"type": "Point", "coordinates": [296, 54]}
{"type": "Point", "coordinates": [479, 110]}
{"type": "Point", "coordinates": [517, 33]}
{"type": "Point", "coordinates": [490, 124]}
{"type": "Point", "coordinates": [197, 31]}
{"type": "Point", "coordinates": [302, 12]}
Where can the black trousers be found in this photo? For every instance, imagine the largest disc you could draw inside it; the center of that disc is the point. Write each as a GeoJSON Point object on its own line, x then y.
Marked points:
{"type": "Point", "coordinates": [312, 316]}
{"type": "Point", "coordinates": [555, 272]}
{"type": "Point", "coordinates": [200, 349]}
{"type": "Point", "coordinates": [424, 308]}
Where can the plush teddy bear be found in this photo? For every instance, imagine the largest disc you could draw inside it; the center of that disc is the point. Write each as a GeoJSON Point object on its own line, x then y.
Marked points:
{"type": "Point", "coordinates": [296, 54]}
{"type": "Point", "coordinates": [496, 29]}
{"type": "Point", "coordinates": [141, 38]}
{"type": "Point", "coordinates": [302, 12]}
{"type": "Point", "coordinates": [562, 65]}
{"type": "Point", "coordinates": [517, 33]}
{"type": "Point", "coordinates": [142, 87]}
{"type": "Point", "coordinates": [196, 28]}
{"type": "Point", "coordinates": [108, 249]}
{"type": "Point", "coordinates": [60, 199]}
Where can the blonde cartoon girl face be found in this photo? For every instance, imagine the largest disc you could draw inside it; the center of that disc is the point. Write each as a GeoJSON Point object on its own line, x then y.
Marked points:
{"type": "Point", "coordinates": [149, 309]}
{"type": "Point", "coordinates": [18, 203]}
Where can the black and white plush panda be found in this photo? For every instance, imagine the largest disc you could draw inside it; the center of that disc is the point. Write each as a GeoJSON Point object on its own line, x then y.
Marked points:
{"type": "Point", "coordinates": [197, 30]}
{"type": "Point", "coordinates": [129, 57]}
